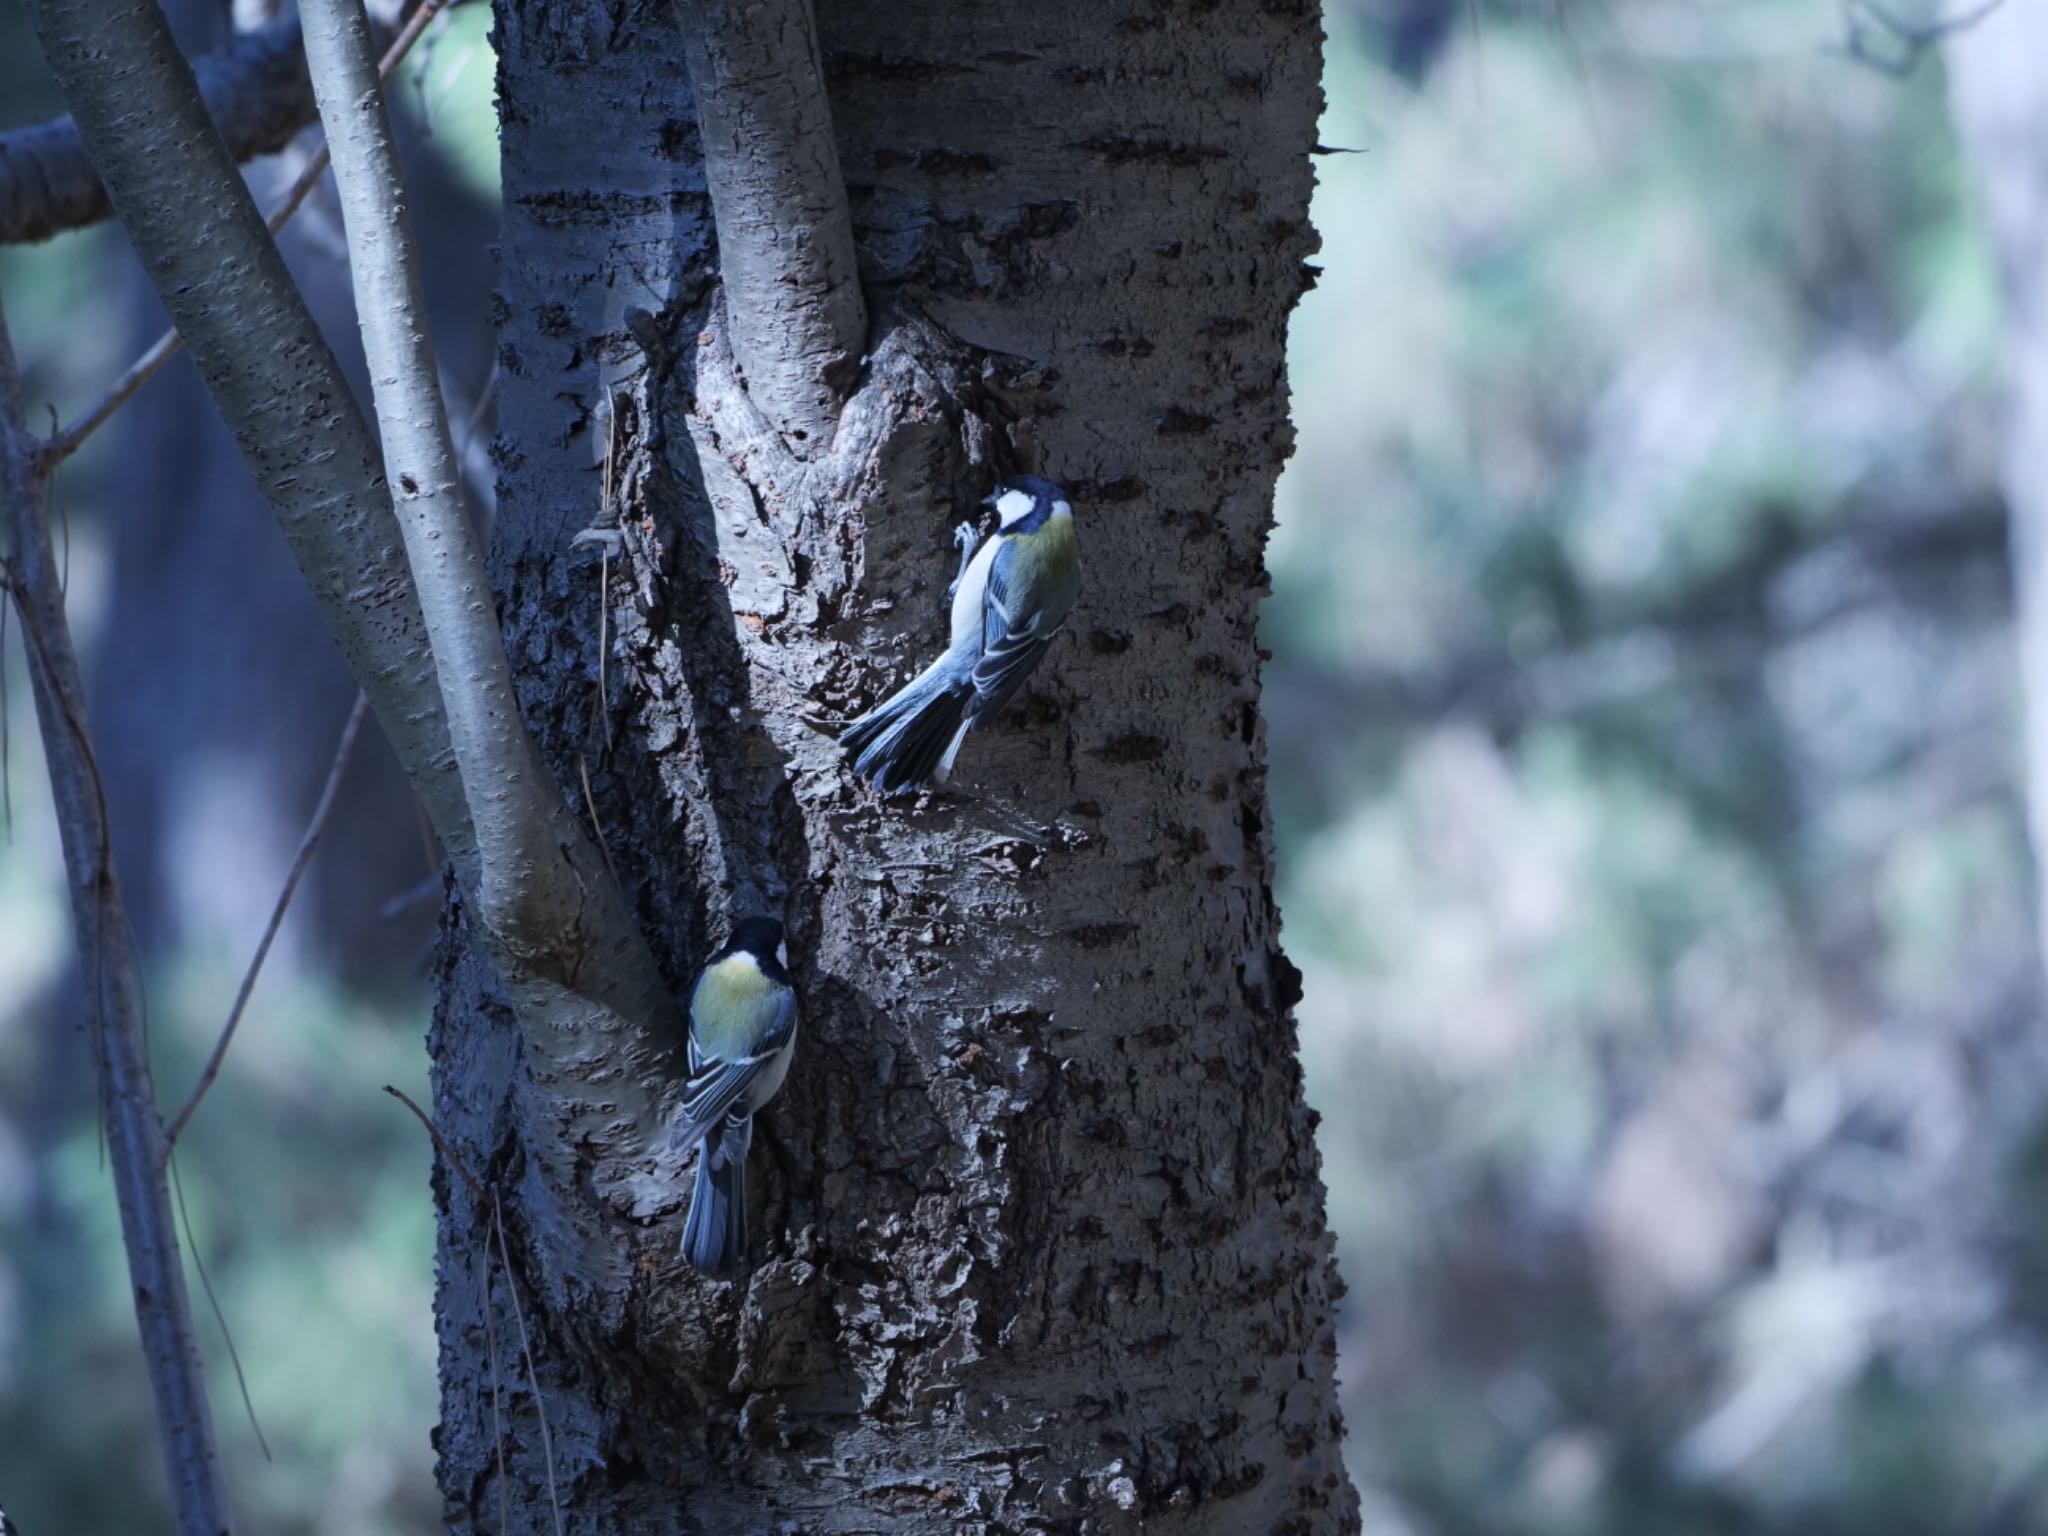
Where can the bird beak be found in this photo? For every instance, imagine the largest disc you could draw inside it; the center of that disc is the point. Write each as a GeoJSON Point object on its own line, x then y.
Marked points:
{"type": "Point", "coordinates": [989, 500]}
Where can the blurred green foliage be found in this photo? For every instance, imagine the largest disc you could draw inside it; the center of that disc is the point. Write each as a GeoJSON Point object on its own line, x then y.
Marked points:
{"type": "Point", "coordinates": [1646, 767]}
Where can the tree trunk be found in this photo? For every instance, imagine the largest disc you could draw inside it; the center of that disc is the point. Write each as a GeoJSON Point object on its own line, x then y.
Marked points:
{"type": "Point", "coordinates": [1039, 1239]}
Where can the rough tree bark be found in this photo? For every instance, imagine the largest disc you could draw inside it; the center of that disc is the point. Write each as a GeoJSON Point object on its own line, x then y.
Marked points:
{"type": "Point", "coordinates": [1039, 1230]}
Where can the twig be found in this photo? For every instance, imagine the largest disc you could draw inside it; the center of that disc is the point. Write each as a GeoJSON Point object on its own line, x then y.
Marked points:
{"type": "Point", "coordinates": [220, 1317]}
{"type": "Point", "coordinates": [497, 1233]}
{"type": "Point", "coordinates": [497, 1401]}
{"type": "Point", "coordinates": [547, 1444]}
{"type": "Point", "coordinates": [292, 877]}
{"type": "Point", "coordinates": [476, 1185]}
{"type": "Point", "coordinates": [397, 906]}
{"type": "Point", "coordinates": [1911, 39]}
{"type": "Point", "coordinates": [604, 590]}
{"type": "Point", "coordinates": [61, 445]}
{"type": "Point", "coordinates": [43, 656]}
{"type": "Point", "coordinates": [56, 449]}
{"type": "Point", "coordinates": [596, 826]}
{"type": "Point", "coordinates": [604, 645]}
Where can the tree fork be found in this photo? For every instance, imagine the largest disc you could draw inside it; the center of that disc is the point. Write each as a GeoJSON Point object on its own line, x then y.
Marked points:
{"type": "Point", "coordinates": [1041, 1242]}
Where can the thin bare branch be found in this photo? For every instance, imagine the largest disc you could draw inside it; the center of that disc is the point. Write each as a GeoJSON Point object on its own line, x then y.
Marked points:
{"type": "Point", "coordinates": [256, 93]}
{"type": "Point", "coordinates": [300, 861]}
{"type": "Point", "coordinates": [785, 238]}
{"type": "Point", "coordinates": [497, 1403]}
{"type": "Point", "coordinates": [1906, 42]}
{"type": "Point", "coordinates": [525, 893]}
{"type": "Point", "coordinates": [397, 906]}
{"type": "Point", "coordinates": [255, 345]}
{"type": "Point", "coordinates": [604, 595]}
{"type": "Point", "coordinates": [596, 826]}
{"type": "Point", "coordinates": [482, 1192]}
{"type": "Point", "coordinates": [220, 1317]}
{"type": "Point", "coordinates": [61, 445]}
{"type": "Point", "coordinates": [127, 1096]}
{"type": "Point", "coordinates": [547, 1443]}
{"type": "Point", "coordinates": [476, 1185]}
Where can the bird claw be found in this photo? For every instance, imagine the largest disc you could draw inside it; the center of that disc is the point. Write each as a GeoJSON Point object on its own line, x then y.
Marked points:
{"type": "Point", "coordinates": [967, 536]}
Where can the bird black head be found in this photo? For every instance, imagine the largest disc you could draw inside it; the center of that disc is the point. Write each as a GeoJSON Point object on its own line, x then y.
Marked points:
{"type": "Point", "coordinates": [1028, 500]}
{"type": "Point", "coordinates": [760, 937]}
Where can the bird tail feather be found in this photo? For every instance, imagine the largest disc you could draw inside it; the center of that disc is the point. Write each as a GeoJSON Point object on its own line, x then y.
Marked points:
{"type": "Point", "coordinates": [910, 736]}
{"type": "Point", "coordinates": [715, 1235]}
{"type": "Point", "coordinates": [945, 768]}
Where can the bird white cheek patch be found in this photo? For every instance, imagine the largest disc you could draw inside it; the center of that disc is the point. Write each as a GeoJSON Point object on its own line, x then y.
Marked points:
{"type": "Point", "coordinates": [1012, 505]}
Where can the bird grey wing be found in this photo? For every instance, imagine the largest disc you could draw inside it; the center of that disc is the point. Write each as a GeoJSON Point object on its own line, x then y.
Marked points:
{"type": "Point", "coordinates": [715, 1086]}
{"type": "Point", "coordinates": [713, 1092]}
{"type": "Point", "coordinates": [1003, 668]}
{"type": "Point", "coordinates": [1010, 645]}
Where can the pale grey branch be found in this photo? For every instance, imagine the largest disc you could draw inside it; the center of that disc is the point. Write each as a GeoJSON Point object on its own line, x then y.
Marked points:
{"type": "Point", "coordinates": [584, 980]}
{"type": "Point", "coordinates": [214, 265]}
{"type": "Point", "coordinates": [785, 240]}
{"type": "Point", "coordinates": [526, 895]}
{"type": "Point", "coordinates": [61, 445]}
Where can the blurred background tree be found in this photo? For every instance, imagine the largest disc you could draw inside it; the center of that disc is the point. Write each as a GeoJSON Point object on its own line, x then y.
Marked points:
{"type": "Point", "coordinates": [1647, 753]}
{"type": "Point", "coordinates": [1662, 882]}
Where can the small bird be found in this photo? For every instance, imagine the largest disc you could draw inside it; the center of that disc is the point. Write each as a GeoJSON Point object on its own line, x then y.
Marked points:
{"type": "Point", "coordinates": [742, 1034]}
{"type": "Point", "coordinates": [1009, 599]}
